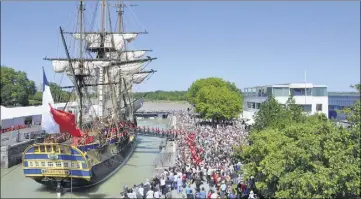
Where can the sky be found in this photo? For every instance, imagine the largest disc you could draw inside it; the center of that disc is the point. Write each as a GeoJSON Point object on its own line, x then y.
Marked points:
{"type": "Point", "coordinates": [248, 43]}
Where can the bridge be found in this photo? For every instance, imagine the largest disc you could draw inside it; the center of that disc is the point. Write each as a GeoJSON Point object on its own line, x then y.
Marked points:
{"type": "Point", "coordinates": [155, 132]}
{"type": "Point", "coordinates": [149, 114]}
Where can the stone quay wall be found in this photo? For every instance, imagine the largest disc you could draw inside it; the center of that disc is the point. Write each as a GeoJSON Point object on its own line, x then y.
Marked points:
{"type": "Point", "coordinates": [12, 154]}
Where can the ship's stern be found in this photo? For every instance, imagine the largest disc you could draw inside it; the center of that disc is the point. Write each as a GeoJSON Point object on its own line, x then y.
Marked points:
{"type": "Point", "coordinates": [51, 163]}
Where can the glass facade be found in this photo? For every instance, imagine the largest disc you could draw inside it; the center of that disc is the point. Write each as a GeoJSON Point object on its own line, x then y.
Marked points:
{"type": "Point", "coordinates": [301, 91]}
{"type": "Point", "coordinates": [285, 91]}
{"type": "Point", "coordinates": [319, 91]}
{"type": "Point", "coordinates": [278, 92]}
{"type": "Point", "coordinates": [306, 107]}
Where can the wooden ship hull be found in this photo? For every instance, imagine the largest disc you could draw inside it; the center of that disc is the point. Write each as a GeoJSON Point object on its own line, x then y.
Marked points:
{"type": "Point", "coordinates": [60, 165]}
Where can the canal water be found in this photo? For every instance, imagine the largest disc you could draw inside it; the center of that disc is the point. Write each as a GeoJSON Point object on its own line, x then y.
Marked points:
{"type": "Point", "coordinates": [138, 168]}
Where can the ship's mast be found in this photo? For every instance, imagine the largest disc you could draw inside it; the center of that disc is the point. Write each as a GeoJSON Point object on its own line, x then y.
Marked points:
{"type": "Point", "coordinates": [80, 78]}
{"type": "Point", "coordinates": [125, 95]}
{"type": "Point", "coordinates": [101, 69]}
{"type": "Point", "coordinates": [120, 29]}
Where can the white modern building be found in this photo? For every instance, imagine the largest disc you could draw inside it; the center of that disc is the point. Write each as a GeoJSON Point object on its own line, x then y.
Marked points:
{"type": "Point", "coordinates": [312, 98]}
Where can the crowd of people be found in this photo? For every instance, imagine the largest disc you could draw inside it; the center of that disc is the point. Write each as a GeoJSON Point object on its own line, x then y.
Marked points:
{"type": "Point", "coordinates": [17, 127]}
{"type": "Point", "coordinates": [204, 168]}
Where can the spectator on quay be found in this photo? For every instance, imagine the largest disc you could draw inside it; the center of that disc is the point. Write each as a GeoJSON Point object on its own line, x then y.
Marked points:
{"type": "Point", "coordinates": [203, 194]}
{"type": "Point", "coordinates": [150, 194]}
{"type": "Point", "coordinates": [190, 195]}
{"type": "Point", "coordinates": [168, 195]}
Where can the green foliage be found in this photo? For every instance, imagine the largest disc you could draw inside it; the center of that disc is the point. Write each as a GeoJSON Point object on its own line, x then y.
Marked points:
{"type": "Point", "coordinates": [271, 113]}
{"type": "Point", "coordinates": [211, 81]}
{"type": "Point", "coordinates": [162, 95]}
{"type": "Point", "coordinates": [15, 87]}
{"type": "Point", "coordinates": [18, 90]}
{"type": "Point", "coordinates": [215, 98]}
{"type": "Point", "coordinates": [294, 110]}
{"type": "Point", "coordinates": [294, 156]}
{"type": "Point", "coordinates": [58, 94]}
{"type": "Point", "coordinates": [218, 103]}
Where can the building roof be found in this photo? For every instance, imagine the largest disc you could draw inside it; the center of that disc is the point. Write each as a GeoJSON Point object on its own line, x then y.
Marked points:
{"type": "Point", "coordinates": [25, 111]}
{"type": "Point", "coordinates": [309, 85]}
{"type": "Point", "coordinates": [353, 94]}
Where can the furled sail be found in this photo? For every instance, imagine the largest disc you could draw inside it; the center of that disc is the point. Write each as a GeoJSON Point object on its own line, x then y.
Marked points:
{"type": "Point", "coordinates": [136, 78]}
{"type": "Point", "coordinates": [126, 55]}
{"type": "Point", "coordinates": [88, 68]}
{"type": "Point", "coordinates": [126, 69]}
{"type": "Point", "coordinates": [139, 78]}
{"type": "Point", "coordinates": [94, 39]}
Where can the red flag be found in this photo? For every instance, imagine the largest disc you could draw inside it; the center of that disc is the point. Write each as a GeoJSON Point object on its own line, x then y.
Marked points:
{"type": "Point", "coordinates": [66, 122]}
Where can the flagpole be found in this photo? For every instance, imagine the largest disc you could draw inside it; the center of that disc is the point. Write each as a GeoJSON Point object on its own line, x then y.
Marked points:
{"type": "Point", "coordinates": [305, 86]}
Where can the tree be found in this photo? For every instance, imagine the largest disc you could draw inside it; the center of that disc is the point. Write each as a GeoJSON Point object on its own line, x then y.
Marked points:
{"type": "Point", "coordinates": [162, 95]}
{"type": "Point", "coordinates": [15, 87]}
{"type": "Point", "coordinates": [294, 110]}
{"type": "Point", "coordinates": [211, 81]}
{"type": "Point", "coordinates": [303, 156]}
{"type": "Point", "coordinates": [271, 114]}
{"type": "Point", "coordinates": [36, 99]}
{"type": "Point", "coordinates": [218, 103]}
{"type": "Point", "coordinates": [215, 98]}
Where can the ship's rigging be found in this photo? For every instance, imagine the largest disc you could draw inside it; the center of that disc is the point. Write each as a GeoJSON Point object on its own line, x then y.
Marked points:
{"type": "Point", "coordinates": [110, 73]}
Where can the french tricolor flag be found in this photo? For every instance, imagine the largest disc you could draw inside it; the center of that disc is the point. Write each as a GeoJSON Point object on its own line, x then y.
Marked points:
{"type": "Point", "coordinates": [53, 120]}
{"type": "Point", "coordinates": [48, 123]}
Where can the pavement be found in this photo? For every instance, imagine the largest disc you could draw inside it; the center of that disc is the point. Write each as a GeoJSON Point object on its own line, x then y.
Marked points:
{"type": "Point", "coordinates": [166, 157]}
{"type": "Point", "coordinates": [161, 106]}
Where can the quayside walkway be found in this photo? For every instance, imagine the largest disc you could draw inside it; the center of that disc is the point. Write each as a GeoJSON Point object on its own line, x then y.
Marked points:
{"type": "Point", "coordinates": [150, 114]}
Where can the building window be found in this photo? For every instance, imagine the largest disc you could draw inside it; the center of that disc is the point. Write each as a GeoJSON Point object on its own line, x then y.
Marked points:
{"type": "Point", "coordinates": [58, 164]}
{"type": "Point", "coordinates": [253, 105]}
{"type": "Point", "coordinates": [66, 164]}
{"type": "Point", "coordinates": [43, 164]}
{"type": "Point", "coordinates": [50, 164]}
{"type": "Point", "coordinates": [30, 164]}
{"type": "Point", "coordinates": [36, 164]}
{"type": "Point", "coordinates": [319, 91]}
{"type": "Point", "coordinates": [306, 107]}
{"type": "Point", "coordinates": [258, 105]}
{"type": "Point", "coordinates": [249, 104]}
{"type": "Point", "coordinates": [281, 92]}
{"type": "Point", "coordinates": [318, 107]}
{"type": "Point", "coordinates": [298, 91]}
{"type": "Point", "coordinates": [269, 91]}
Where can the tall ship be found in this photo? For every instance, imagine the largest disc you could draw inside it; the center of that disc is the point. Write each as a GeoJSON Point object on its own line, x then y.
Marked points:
{"type": "Point", "coordinates": [87, 144]}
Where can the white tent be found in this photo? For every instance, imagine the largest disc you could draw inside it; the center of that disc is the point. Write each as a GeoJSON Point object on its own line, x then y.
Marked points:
{"type": "Point", "coordinates": [16, 115]}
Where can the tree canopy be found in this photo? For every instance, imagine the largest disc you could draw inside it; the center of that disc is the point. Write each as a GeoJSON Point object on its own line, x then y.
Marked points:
{"type": "Point", "coordinates": [162, 95]}
{"type": "Point", "coordinates": [295, 156]}
{"type": "Point", "coordinates": [215, 98]}
{"type": "Point", "coordinates": [15, 87]}
{"type": "Point", "coordinates": [18, 90]}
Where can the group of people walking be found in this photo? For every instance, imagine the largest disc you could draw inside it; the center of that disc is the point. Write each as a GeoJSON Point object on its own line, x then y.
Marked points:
{"type": "Point", "coordinates": [214, 174]}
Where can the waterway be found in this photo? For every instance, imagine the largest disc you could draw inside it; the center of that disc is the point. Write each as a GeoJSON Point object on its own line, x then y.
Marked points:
{"type": "Point", "coordinates": [138, 168]}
